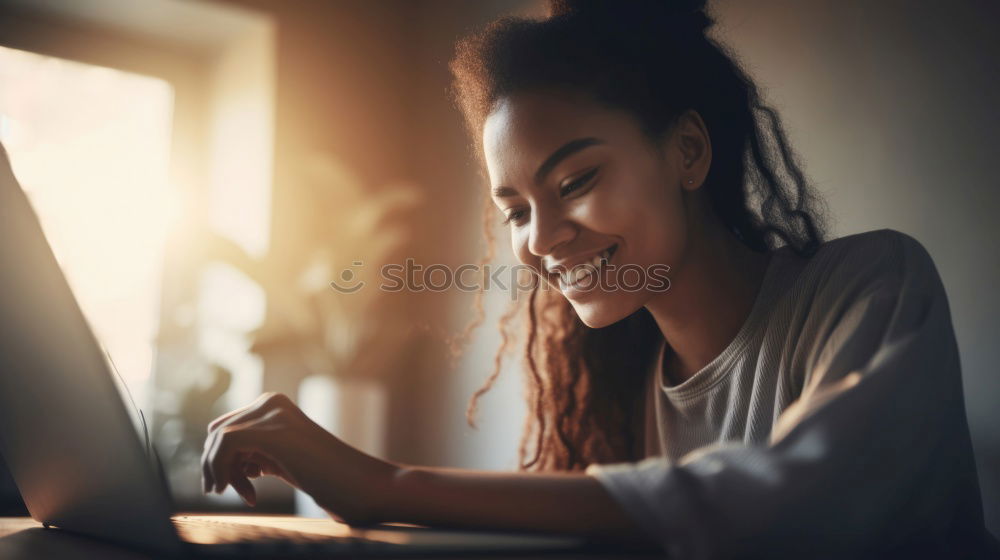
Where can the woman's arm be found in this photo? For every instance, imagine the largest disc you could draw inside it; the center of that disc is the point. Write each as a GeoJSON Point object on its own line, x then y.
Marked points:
{"type": "Point", "coordinates": [572, 503]}
{"type": "Point", "coordinates": [272, 436]}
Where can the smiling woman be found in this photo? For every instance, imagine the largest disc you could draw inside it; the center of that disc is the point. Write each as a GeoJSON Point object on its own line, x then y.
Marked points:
{"type": "Point", "coordinates": [778, 395]}
{"type": "Point", "coordinates": [690, 170]}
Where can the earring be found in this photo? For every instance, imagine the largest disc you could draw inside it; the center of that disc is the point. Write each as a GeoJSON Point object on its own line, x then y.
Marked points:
{"type": "Point", "coordinates": [690, 181]}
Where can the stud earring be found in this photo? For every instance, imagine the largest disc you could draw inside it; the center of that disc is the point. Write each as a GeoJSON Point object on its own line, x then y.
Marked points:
{"type": "Point", "coordinates": [690, 181]}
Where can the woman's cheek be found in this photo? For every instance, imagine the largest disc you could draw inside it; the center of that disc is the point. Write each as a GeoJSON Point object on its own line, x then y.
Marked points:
{"type": "Point", "coordinates": [605, 210]}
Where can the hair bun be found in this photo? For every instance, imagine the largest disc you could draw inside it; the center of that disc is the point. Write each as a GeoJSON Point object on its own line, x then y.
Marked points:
{"type": "Point", "coordinates": [686, 14]}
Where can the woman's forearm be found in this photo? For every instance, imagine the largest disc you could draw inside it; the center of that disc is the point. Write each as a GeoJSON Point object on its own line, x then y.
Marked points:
{"type": "Point", "coordinates": [569, 503]}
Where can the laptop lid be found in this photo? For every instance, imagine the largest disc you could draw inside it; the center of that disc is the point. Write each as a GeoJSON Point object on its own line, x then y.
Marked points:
{"type": "Point", "coordinates": [64, 431]}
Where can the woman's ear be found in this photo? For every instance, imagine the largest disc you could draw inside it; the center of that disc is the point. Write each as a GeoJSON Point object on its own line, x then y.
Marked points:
{"type": "Point", "coordinates": [694, 149]}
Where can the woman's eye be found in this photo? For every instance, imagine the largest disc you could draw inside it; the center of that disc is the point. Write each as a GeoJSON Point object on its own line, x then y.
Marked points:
{"type": "Point", "coordinates": [577, 184]}
{"type": "Point", "coordinates": [515, 216]}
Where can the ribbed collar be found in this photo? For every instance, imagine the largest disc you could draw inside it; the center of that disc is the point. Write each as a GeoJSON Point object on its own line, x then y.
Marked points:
{"type": "Point", "coordinates": [716, 370]}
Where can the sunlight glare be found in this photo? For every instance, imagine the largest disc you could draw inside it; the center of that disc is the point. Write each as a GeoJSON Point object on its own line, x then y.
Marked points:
{"type": "Point", "coordinates": [91, 148]}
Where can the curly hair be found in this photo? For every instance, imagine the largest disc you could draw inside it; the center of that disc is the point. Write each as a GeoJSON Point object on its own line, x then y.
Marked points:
{"type": "Point", "coordinates": [652, 59]}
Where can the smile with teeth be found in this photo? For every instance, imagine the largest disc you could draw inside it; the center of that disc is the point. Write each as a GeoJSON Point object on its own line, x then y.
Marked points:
{"type": "Point", "coordinates": [583, 271]}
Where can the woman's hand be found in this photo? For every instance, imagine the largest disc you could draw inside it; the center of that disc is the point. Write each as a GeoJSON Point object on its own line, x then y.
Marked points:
{"type": "Point", "coordinates": [272, 436]}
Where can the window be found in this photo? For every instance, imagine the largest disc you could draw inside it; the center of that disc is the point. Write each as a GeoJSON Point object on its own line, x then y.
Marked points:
{"type": "Point", "coordinates": [91, 148]}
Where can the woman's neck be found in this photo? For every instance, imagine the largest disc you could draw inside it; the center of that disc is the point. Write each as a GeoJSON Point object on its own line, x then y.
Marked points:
{"type": "Point", "coordinates": [711, 295]}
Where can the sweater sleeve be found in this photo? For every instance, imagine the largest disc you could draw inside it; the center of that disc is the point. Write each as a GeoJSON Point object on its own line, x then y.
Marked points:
{"type": "Point", "coordinates": [873, 455]}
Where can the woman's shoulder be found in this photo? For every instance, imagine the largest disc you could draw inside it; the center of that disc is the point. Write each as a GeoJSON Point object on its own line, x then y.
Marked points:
{"type": "Point", "coordinates": [885, 241]}
{"type": "Point", "coordinates": [858, 287]}
{"type": "Point", "coordinates": [880, 259]}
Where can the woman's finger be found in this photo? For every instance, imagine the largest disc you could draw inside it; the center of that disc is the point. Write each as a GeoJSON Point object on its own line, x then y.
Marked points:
{"type": "Point", "coordinates": [243, 486]}
{"type": "Point", "coordinates": [206, 472]}
{"type": "Point", "coordinates": [260, 405]}
{"type": "Point", "coordinates": [263, 405]}
{"type": "Point", "coordinates": [252, 470]}
{"type": "Point", "coordinates": [234, 440]}
{"type": "Point", "coordinates": [218, 421]}
{"type": "Point", "coordinates": [257, 465]}
{"type": "Point", "coordinates": [208, 480]}
{"type": "Point", "coordinates": [209, 477]}
{"type": "Point", "coordinates": [227, 442]}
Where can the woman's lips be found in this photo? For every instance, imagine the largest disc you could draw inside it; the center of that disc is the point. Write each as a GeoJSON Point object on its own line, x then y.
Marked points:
{"type": "Point", "coordinates": [575, 278]}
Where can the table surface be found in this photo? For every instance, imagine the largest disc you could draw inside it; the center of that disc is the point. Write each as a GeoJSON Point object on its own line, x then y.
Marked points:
{"type": "Point", "coordinates": [24, 538]}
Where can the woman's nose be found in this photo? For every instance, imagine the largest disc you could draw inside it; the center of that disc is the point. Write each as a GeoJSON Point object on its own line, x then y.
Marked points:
{"type": "Point", "coordinates": [549, 229]}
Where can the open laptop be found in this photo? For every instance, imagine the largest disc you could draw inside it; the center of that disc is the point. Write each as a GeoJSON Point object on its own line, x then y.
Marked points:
{"type": "Point", "coordinates": [79, 462]}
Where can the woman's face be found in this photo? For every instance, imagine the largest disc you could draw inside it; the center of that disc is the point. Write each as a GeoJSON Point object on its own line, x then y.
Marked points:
{"type": "Point", "coordinates": [586, 194]}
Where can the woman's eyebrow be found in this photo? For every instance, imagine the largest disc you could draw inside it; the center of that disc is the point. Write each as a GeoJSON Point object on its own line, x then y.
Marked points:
{"type": "Point", "coordinates": [566, 150]}
{"type": "Point", "coordinates": [501, 192]}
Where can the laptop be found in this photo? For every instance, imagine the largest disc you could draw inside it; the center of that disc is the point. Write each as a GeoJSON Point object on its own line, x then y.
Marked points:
{"type": "Point", "coordinates": [74, 451]}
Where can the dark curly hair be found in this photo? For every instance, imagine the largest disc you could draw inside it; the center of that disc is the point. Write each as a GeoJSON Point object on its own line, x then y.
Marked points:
{"type": "Point", "coordinates": [652, 59]}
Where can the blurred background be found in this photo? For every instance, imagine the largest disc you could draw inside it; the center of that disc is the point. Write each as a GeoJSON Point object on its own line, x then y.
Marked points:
{"type": "Point", "coordinates": [205, 169]}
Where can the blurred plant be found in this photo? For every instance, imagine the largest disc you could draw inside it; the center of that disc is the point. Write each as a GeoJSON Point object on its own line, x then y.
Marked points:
{"type": "Point", "coordinates": [191, 412]}
{"type": "Point", "coordinates": [348, 233]}
{"type": "Point", "coordinates": [309, 328]}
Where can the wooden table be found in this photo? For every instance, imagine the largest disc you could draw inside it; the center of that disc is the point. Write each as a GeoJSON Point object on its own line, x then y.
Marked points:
{"type": "Point", "coordinates": [25, 538]}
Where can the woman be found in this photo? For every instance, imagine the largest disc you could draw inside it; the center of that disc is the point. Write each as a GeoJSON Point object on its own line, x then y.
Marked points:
{"type": "Point", "coordinates": [775, 395]}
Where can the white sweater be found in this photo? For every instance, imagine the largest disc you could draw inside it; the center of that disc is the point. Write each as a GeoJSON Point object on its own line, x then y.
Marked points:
{"type": "Point", "coordinates": [833, 425]}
